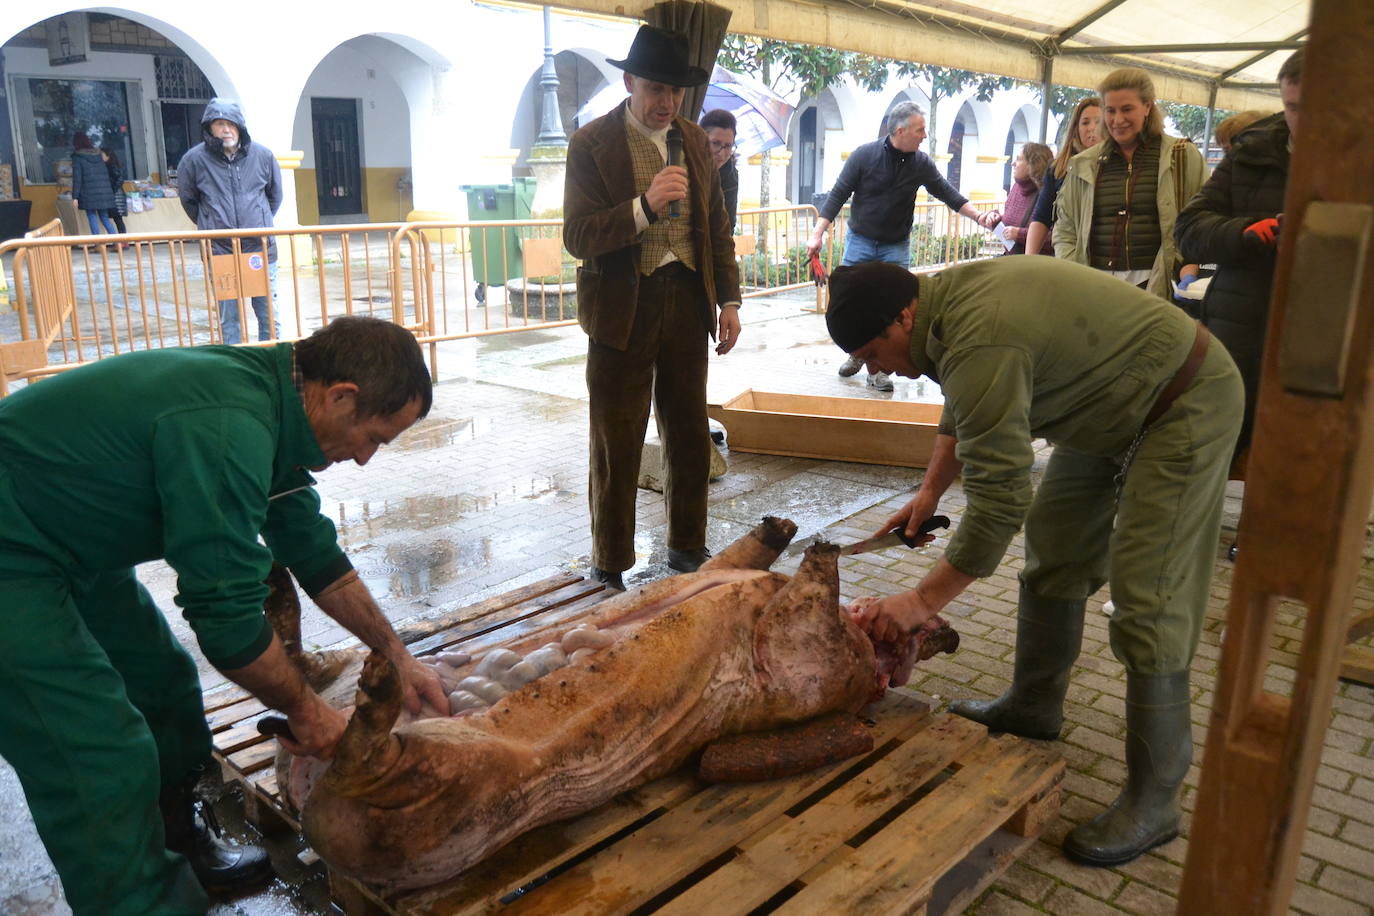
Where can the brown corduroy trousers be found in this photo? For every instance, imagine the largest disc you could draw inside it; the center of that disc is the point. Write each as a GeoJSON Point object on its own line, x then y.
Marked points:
{"type": "Point", "coordinates": [665, 361]}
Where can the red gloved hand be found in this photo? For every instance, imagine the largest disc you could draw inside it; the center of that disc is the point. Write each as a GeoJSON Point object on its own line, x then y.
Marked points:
{"type": "Point", "coordinates": [1264, 231]}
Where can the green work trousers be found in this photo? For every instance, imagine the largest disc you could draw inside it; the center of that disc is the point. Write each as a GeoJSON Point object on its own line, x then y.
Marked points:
{"type": "Point", "coordinates": [1156, 543]}
{"type": "Point", "coordinates": [99, 707]}
{"type": "Point", "coordinates": [665, 361]}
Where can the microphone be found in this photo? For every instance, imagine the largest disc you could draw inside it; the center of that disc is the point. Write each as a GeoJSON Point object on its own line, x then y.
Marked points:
{"type": "Point", "coordinates": [674, 144]}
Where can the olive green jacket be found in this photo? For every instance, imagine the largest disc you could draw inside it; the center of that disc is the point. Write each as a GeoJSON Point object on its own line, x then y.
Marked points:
{"type": "Point", "coordinates": [1037, 348]}
{"type": "Point", "coordinates": [1073, 208]}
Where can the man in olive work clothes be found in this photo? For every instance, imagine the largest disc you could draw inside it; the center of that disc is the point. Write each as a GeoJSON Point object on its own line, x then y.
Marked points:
{"type": "Point", "coordinates": [1143, 411]}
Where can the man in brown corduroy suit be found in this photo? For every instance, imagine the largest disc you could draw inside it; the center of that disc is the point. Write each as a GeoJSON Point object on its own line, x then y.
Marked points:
{"type": "Point", "coordinates": [658, 259]}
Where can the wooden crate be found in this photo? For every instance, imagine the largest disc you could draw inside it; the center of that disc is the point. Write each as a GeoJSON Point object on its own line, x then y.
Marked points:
{"type": "Point", "coordinates": [922, 824]}
{"type": "Point", "coordinates": [867, 430]}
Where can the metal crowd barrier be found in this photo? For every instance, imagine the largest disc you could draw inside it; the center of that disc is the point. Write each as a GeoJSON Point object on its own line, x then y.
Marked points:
{"type": "Point", "coordinates": [81, 298]}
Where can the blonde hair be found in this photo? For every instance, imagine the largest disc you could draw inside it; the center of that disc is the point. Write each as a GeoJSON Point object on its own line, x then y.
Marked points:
{"type": "Point", "coordinates": [1072, 145]}
{"type": "Point", "coordinates": [1228, 128]}
{"type": "Point", "coordinates": [1038, 157]}
{"type": "Point", "coordinates": [1138, 81]}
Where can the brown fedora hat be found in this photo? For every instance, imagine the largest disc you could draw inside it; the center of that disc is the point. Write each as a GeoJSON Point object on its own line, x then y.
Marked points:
{"type": "Point", "coordinates": [660, 55]}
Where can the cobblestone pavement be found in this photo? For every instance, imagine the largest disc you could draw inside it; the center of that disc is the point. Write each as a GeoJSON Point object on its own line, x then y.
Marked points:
{"type": "Point", "coordinates": [489, 493]}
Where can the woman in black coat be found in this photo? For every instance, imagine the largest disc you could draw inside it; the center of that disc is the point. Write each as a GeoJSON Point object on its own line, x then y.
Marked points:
{"type": "Point", "coordinates": [91, 183]}
{"type": "Point", "coordinates": [1226, 224]}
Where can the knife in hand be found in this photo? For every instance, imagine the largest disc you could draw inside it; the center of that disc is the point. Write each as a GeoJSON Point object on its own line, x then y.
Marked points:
{"type": "Point", "coordinates": [894, 538]}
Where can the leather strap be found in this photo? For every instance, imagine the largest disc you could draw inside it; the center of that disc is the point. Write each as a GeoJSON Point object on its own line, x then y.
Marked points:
{"type": "Point", "coordinates": [1182, 378]}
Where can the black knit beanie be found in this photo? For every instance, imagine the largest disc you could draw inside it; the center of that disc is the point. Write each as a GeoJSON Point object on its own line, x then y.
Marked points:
{"type": "Point", "coordinates": [865, 299]}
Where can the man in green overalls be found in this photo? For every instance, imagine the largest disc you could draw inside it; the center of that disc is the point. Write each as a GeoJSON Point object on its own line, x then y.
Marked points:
{"type": "Point", "coordinates": [189, 455]}
{"type": "Point", "coordinates": [1142, 413]}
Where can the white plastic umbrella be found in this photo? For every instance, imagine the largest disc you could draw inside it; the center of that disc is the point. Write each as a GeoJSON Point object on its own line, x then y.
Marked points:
{"type": "Point", "coordinates": [760, 113]}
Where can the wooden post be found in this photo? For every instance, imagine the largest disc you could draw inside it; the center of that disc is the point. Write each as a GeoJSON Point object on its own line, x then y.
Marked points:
{"type": "Point", "coordinates": [1308, 489]}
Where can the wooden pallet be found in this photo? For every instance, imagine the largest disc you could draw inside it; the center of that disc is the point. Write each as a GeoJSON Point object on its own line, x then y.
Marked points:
{"type": "Point", "coordinates": [922, 824]}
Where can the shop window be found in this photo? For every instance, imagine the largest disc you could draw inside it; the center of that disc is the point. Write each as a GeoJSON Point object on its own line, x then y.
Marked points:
{"type": "Point", "coordinates": [49, 111]}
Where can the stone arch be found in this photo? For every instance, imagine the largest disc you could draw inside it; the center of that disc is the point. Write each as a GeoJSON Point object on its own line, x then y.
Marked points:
{"type": "Point", "coordinates": [1023, 128]}
{"type": "Point", "coordinates": [353, 122]}
{"type": "Point", "coordinates": [164, 44]}
{"type": "Point", "coordinates": [813, 122]}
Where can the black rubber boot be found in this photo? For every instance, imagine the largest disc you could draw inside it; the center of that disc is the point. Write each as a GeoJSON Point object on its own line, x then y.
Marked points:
{"type": "Point", "coordinates": [1049, 633]}
{"type": "Point", "coordinates": [687, 560]}
{"type": "Point", "coordinates": [220, 865]}
{"type": "Point", "coordinates": [1159, 748]}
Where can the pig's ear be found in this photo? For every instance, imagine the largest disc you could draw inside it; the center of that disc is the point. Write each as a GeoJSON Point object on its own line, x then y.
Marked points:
{"type": "Point", "coordinates": [368, 750]}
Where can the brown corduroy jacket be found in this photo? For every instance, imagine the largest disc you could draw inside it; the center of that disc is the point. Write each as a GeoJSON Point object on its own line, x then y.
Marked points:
{"type": "Point", "coordinates": [599, 227]}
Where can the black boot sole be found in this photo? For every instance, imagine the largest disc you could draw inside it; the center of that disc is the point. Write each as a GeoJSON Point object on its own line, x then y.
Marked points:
{"type": "Point", "coordinates": [1086, 858]}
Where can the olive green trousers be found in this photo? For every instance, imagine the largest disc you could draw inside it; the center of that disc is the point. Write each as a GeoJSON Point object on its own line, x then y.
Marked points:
{"type": "Point", "coordinates": [1157, 541]}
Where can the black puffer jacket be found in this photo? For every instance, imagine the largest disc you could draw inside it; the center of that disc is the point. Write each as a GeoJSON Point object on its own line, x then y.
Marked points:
{"type": "Point", "coordinates": [1247, 186]}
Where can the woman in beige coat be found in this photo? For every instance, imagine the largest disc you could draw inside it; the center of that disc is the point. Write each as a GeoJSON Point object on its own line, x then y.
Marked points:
{"type": "Point", "coordinates": [1117, 207]}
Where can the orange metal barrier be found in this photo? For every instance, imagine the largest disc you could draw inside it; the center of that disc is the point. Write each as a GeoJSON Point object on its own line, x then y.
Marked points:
{"type": "Point", "coordinates": [81, 298]}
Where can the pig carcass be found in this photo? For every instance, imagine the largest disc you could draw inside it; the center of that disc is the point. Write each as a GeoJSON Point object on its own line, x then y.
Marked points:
{"type": "Point", "coordinates": [562, 721]}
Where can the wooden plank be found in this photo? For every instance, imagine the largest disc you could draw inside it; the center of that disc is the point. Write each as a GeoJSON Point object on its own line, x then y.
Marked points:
{"type": "Point", "coordinates": [228, 716]}
{"type": "Point", "coordinates": [254, 757]}
{"type": "Point", "coordinates": [802, 842]}
{"type": "Point", "coordinates": [536, 853]}
{"type": "Point", "coordinates": [895, 870]}
{"type": "Point", "coordinates": [420, 629]}
{"type": "Point", "coordinates": [692, 834]}
{"type": "Point", "coordinates": [224, 695]}
{"type": "Point", "coordinates": [1357, 664]}
{"type": "Point", "coordinates": [243, 735]}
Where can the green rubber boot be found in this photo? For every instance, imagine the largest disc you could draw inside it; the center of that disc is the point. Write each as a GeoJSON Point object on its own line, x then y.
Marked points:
{"type": "Point", "coordinates": [1159, 748]}
{"type": "Point", "coordinates": [1049, 633]}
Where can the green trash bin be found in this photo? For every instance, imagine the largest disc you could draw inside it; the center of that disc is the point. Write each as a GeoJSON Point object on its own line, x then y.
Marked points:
{"type": "Point", "coordinates": [496, 253]}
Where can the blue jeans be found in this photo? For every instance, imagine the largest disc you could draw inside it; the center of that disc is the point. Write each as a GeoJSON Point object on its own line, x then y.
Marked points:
{"type": "Point", "coordinates": [859, 249]}
{"type": "Point", "coordinates": [95, 218]}
{"type": "Point", "coordinates": [229, 313]}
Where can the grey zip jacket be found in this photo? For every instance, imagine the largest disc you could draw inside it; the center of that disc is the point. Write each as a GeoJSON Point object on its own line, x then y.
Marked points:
{"type": "Point", "coordinates": [221, 193]}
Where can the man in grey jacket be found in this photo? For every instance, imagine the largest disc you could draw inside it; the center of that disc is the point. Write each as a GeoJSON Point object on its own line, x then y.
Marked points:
{"type": "Point", "coordinates": [227, 181]}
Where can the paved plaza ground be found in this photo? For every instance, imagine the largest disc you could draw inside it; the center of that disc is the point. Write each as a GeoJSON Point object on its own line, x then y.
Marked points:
{"type": "Point", "coordinates": [490, 492]}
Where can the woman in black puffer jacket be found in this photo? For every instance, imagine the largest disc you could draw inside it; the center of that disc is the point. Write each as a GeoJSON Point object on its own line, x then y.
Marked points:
{"type": "Point", "coordinates": [1245, 191]}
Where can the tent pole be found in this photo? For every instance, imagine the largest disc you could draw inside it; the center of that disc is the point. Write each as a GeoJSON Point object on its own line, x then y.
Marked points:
{"type": "Point", "coordinates": [1046, 84]}
{"type": "Point", "coordinates": [1207, 130]}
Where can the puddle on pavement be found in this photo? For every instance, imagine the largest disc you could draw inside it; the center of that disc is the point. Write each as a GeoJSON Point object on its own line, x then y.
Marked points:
{"type": "Point", "coordinates": [444, 432]}
{"type": "Point", "coordinates": [360, 520]}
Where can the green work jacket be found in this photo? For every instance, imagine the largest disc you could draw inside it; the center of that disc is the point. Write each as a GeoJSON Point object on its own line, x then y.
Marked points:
{"type": "Point", "coordinates": [1028, 348]}
{"type": "Point", "coordinates": [183, 454]}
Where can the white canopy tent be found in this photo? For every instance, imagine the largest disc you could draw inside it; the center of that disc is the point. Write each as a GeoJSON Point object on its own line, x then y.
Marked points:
{"type": "Point", "coordinates": [1216, 53]}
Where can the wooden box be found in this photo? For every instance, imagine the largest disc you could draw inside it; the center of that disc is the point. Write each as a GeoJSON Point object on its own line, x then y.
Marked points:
{"type": "Point", "coordinates": [867, 430]}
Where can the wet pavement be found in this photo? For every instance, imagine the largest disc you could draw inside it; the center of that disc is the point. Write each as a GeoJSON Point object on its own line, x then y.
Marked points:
{"type": "Point", "coordinates": [489, 493]}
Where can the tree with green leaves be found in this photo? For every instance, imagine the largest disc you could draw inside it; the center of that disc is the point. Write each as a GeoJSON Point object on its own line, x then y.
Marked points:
{"type": "Point", "coordinates": [1191, 120]}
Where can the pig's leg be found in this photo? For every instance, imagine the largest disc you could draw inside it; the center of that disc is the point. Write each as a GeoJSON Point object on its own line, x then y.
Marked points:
{"type": "Point", "coordinates": [758, 549]}
{"type": "Point", "coordinates": [368, 750]}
